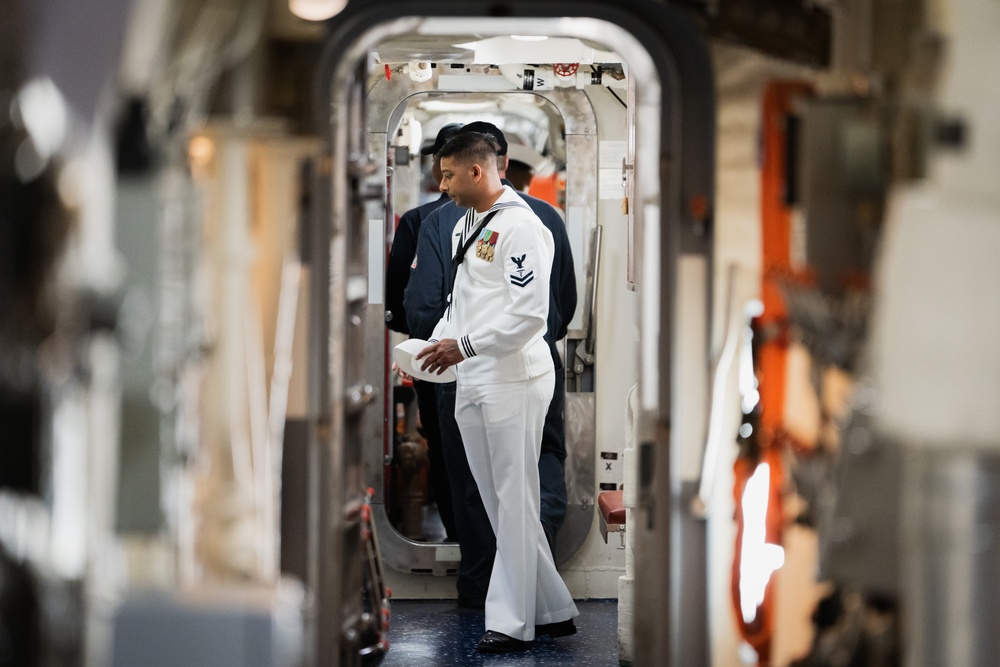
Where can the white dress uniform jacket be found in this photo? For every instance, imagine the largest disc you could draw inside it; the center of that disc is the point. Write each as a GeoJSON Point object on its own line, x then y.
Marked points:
{"type": "Point", "coordinates": [500, 299]}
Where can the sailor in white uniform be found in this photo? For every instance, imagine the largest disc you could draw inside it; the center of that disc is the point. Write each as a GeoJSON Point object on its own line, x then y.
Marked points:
{"type": "Point", "coordinates": [492, 333]}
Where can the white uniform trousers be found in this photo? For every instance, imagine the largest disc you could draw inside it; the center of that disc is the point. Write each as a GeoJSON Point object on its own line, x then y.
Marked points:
{"type": "Point", "coordinates": [501, 427]}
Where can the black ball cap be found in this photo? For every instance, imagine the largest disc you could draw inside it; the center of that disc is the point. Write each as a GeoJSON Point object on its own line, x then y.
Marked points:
{"type": "Point", "coordinates": [444, 136]}
{"type": "Point", "coordinates": [488, 128]}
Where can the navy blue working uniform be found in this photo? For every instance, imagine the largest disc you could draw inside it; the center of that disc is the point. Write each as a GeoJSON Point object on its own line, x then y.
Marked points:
{"type": "Point", "coordinates": [425, 300]}
{"type": "Point", "coordinates": [404, 249]}
{"type": "Point", "coordinates": [397, 275]}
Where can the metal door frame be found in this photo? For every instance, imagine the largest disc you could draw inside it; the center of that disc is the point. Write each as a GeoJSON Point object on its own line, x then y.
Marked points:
{"type": "Point", "coordinates": [675, 107]}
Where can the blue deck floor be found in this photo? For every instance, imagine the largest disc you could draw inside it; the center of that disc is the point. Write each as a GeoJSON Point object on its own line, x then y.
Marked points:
{"type": "Point", "coordinates": [436, 633]}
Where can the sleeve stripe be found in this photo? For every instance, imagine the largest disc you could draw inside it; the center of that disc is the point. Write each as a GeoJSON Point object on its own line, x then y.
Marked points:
{"type": "Point", "coordinates": [467, 347]}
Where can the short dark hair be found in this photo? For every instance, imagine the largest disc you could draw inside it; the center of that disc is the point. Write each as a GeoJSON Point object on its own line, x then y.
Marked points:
{"type": "Point", "coordinates": [469, 147]}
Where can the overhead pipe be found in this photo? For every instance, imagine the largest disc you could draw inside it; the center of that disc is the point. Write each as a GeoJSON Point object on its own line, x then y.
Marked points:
{"type": "Point", "coordinates": [531, 77]}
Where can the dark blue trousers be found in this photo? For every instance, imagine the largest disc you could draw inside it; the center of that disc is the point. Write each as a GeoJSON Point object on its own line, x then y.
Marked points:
{"type": "Point", "coordinates": [437, 471]}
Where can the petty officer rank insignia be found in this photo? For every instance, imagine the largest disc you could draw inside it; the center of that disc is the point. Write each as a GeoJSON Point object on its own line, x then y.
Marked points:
{"type": "Point", "coordinates": [521, 278]}
{"type": "Point", "coordinates": [486, 245]}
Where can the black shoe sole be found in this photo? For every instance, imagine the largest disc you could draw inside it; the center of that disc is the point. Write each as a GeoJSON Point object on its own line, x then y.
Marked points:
{"type": "Point", "coordinates": [495, 642]}
{"type": "Point", "coordinates": [556, 630]}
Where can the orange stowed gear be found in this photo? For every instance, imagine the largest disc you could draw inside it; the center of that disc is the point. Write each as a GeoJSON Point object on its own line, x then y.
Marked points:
{"type": "Point", "coordinates": [548, 188]}
{"type": "Point", "coordinates": [775, 214]}
{"type": "Point", "coordinates": [756, 621]}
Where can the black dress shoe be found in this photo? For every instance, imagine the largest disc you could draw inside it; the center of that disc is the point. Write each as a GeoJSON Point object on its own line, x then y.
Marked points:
{"type": "Point", "coordinates": [560, 629]}
{"type": "Point", "coordinates": [497, 642]}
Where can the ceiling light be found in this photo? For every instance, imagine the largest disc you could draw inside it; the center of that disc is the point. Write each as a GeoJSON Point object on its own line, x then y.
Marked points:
{"type": "Point", "coordinates": [529, 38]}
{"type": "Point", "coordinates": [316, 10]}
{"type": "Point", "coordinates": [444, 106]}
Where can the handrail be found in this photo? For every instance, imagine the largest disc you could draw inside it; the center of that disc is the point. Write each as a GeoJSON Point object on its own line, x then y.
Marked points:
{"type": "Point", "coordinates": [590, 307]}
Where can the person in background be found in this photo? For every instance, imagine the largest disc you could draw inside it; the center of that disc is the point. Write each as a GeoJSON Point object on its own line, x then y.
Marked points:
{"type": "Point", "coordinates": [492, 333]}
{"type": "Point", "coordinates": [519, 174]}
{"type": "Point", "coordinates": [401, 254]}
{"type": "Point", "coordinates": [426, 298]}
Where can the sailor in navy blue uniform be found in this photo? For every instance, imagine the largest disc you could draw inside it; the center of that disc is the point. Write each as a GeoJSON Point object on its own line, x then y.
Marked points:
{"type": "Point", "coordinates": [492, 333]}
{"type": "Point", "coordinates": [401, 254]}
{"type": "Point", "coordinates": [404, 241]}
{"type": "Point", "coordinates": [426, 297]}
